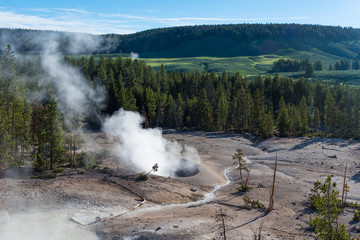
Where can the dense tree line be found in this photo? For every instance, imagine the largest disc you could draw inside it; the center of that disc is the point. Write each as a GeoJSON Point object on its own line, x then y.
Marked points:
{"type": "Point", "coordinates": [346, 64]}
{"type": "Point", "coordinates": [264, 106]}
{"type": "Point", "coordinates": [29, 129]}
{"type": "Point", "coordinates": [294, 65]}
{"type": "Point", "coordinates": [32, 127]}
{"type": "Point", "coordinates": [164, 38]}
{"type": "Point", "coordinates": [248, 39]}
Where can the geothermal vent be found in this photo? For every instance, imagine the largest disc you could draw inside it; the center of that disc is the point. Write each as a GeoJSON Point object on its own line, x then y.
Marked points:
{"type": "Point", "coordinates": [187, 168]}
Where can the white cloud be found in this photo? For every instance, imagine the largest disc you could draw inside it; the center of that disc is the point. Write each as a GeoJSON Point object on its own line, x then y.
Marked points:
{"type": "Point", "coordinates": [77, 20]}
{"type": "Point", "coordinates": [10, 19]}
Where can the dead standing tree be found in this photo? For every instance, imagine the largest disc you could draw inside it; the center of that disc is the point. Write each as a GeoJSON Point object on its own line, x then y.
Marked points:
{"type": "Point", "coordinates": [345, 189]}
{"type": "Point", "coordinates": [220, 217]}
{"type": "Point", "coordinates": [271, 202]}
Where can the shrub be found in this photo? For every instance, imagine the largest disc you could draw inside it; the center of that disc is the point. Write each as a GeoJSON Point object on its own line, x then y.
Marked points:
{"type": "Point", "coordinates": [324, 200]}
{"type": "Point", "coordinates": [142, 177]}
{"type": "Point", "coordinates": [255, 204]}
{"type": "Point", "coordinates": [58, 170]}
{"type": "Point", "coordinates": [354, 205]}
{"type": "Point", "coordinates": [356, 217]}
{"type": "Point", "coordinates": [243, 188]}
{"type": "Point", "coordinates": [89, 161]}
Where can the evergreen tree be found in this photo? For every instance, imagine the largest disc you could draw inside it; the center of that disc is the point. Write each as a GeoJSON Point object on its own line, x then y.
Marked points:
{"type": "Point", "coordinates": [257, 113]}
{"type": "Point", "coordinates": [267, 125]}
{"type": "Point", "coordinates": [304, 116]}
{"type": "Point", "coordinates": [179, 114]}
{"type": "Point", "coordinates": [221, 111]}
{"type": "Point", "coordinates": [330, 113]}
{"type": "Point", "coordinates": [54, 135]}
{"type": "Point", "coordinates": [318, 66]}
{"type": "Point", "coordinates": [205, 111]}
{"type": "Point", "coordinates": [164, 85]}
{"type": "Point", "coordinates": [325, 200]}
{"type": "Point", "coordinates": [150, 101]}
{"type": "Point", "coordinates": [309, 70]}
{"type": "Point", "coordinates": [283, 120]}
{"type": "Point", "coordinates": [316, 118]}
{"type": "Point", "coordinates": [356, 64]}
{"type": "Point", "coordinates": [160, 107]}
{"type": "Point", "coordinates": [170, 112]}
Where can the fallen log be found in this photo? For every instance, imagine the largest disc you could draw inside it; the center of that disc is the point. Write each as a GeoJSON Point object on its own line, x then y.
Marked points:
{"type": "Point", "coordinates": [131, 209]}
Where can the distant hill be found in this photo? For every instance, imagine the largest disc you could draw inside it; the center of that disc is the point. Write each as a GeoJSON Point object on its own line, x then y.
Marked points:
{"type": "Point", "coordinates": [240, 40]}
{"type": "Point", "coordinates": [207, 40]}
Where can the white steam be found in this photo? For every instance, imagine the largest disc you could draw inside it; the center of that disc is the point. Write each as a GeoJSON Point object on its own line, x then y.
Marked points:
{"type": "Point", "coordinates": [134, 56]}
{"type": "Point", "coordinates": [75, 95]}
{"type": "Point", "coordinates": [77, 99]}
{"type": "Point", "coordinates": [43, 225]}
{"type": "Point", "coordinates": [145, 147]}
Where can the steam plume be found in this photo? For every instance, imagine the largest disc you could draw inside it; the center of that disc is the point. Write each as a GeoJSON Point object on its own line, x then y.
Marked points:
{"type": "Point", "coordinates": [75, 95]}
{"type": "Point", "coordinates": [145, 147]}
{"type": "Point", "coordinates": [134, 56]}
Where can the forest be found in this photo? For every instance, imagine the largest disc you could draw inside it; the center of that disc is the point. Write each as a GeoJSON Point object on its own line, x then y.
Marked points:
{"type": "Point", "coordinates": [33, 128]}
{"type": "Point", "coordinates": [164, 38]}
{"type": "Point", "coordinates": [265, 106]}
{"type": "Point", "coordinates": [206, 40]}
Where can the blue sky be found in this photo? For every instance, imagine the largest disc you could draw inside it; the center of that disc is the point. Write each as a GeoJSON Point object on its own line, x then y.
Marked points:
{"type": "Point", "coordinates": [129, 16]}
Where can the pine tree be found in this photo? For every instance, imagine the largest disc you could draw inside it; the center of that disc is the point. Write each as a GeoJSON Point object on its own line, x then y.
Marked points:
{"type": "Point", "coordinates": [324, 200]}
{"type": "Point", "coordinates": [92, 68]}
{"type": "Point", "coordinates": [242, 165]}
{"type": "Point", "coordinates": [304, 116]}
{"type": "Point", "coordinates": [330, 113]}
{"type": "Point", "coordinates": [170, 111]}
{"type": "Point", "coordinates": [179, 114]}
{"type": "Point", "coordinates": [160, 107]}
{"type": "Point", "coordinates": [316, 118]}
{"type": "Point", "coordinates": [150, 102]}
{"type": "Point", "coordinates": [164, 85]}
{"type": "Point", "coordinates": [54, 135]}
{"type": "Point", "coordinates": [283, 120]}
{"type": "Point", "coordinates": [356, 64]}
{"type": "Point", "coordinates": [257, 112]}
{"type": "Point", "coordinates": [267, 125]}
{"type": "Point", "coordinates": [309, 70]}
{"type": "Point", "coordinates": [318, 66]}
{"type": "Point", "coordinates": [205, 111]}
{"type": "Point", "coordinates": [221, 111]}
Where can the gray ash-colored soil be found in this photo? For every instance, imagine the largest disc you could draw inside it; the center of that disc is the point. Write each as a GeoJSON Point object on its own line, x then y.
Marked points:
{"type": "Point", "coordinates": [165, 215]}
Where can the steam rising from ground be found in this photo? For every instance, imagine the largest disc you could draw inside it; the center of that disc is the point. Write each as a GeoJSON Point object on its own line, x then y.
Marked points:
{"type": "Point", "coordinates": [145, 147]}
{"type": "Point", "coordinates": [77, 99]}
{"type": "Point", "coordinates": [134, 56]}
{"type": "Point", "coordinates": [75, 95]}
{"type": "Point", "coordinates": [40, 226]}
{"type": "Point", "coordinates": [140, 147]}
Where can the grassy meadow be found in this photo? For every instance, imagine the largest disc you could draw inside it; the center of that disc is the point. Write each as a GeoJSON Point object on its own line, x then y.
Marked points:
{"type": "Point", "coordinates": [251, 66]}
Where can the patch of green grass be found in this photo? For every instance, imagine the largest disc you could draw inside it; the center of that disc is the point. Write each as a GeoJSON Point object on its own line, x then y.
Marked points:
{"type": "Point", "coordinates": [249, 65]}
{"type": "Point", "coordinates": [58, 170]}
{"type": "Point", "coordinates": [252, 66]}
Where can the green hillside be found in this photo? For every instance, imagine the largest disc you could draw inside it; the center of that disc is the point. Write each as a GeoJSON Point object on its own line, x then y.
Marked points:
{"type": "Point", "coordinates": [249, 49]}
{"type": "Point", "coordinates": [234, 40]}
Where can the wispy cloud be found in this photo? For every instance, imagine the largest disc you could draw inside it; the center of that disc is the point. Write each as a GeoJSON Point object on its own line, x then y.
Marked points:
{"type": "Point", "coordinates": [78, 20]}
{"type": "Point", "coordinates": [72, 10]}
{"type": "Point", "coordinates": [10, 19]}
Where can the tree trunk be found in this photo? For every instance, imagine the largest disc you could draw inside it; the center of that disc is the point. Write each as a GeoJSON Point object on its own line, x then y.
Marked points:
{"type": "Point", "coordinates": [271, 202]}
{"type": "Point", "coordinates": [344, 186]}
